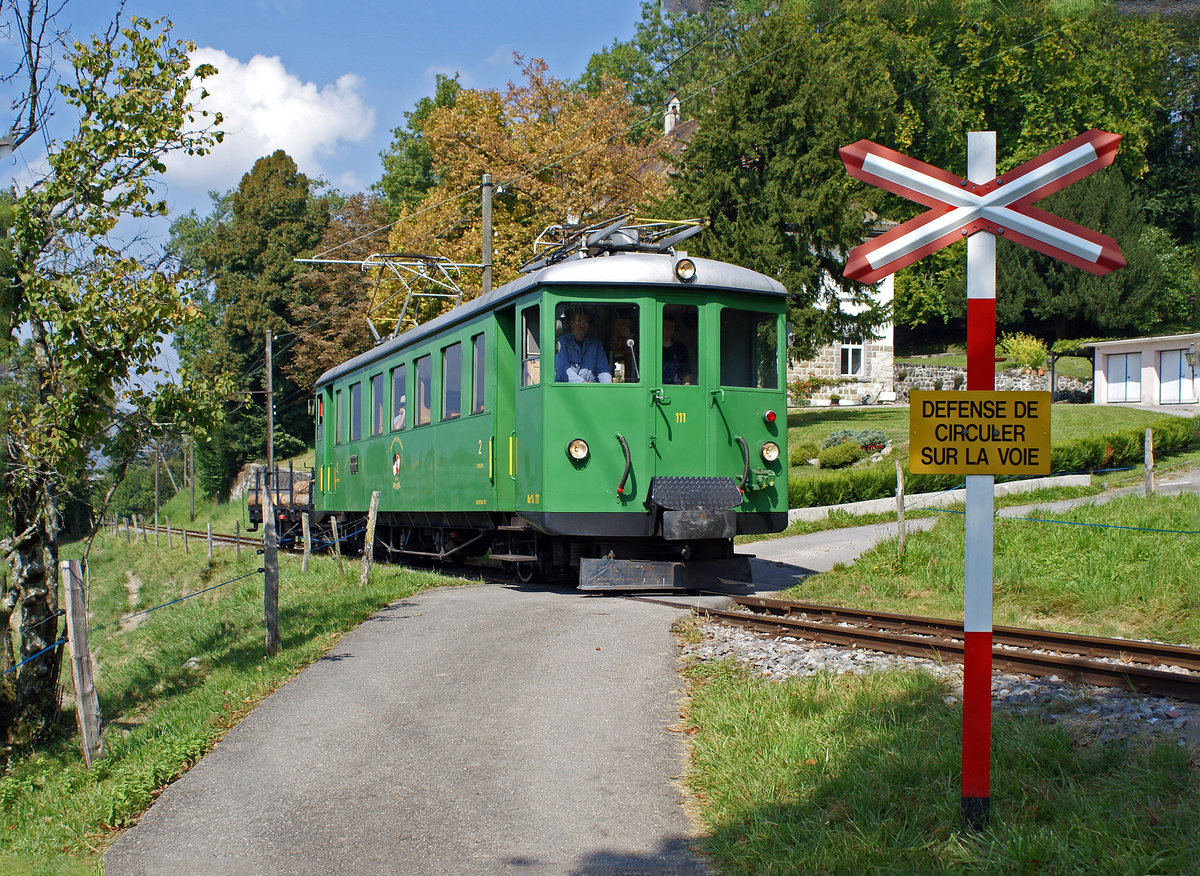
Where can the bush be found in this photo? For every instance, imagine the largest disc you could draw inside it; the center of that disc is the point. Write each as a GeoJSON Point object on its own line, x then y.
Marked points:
{"type": "Point", "coordinates": [840, 455]}
{"type": "Point", "coordinates": [868, 439]}
{"type": "Point", "coordinates": [1024, 351]}
{"type": "Point", "coordinates": [801, 453]}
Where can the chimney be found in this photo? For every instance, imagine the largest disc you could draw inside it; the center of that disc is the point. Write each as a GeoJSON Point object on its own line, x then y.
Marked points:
{"type": "Point", "coordinates": [671, 116]}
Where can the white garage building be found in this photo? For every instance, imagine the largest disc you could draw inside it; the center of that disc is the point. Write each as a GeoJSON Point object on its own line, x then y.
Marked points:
{"type": "Point", "coordinates": [1153, 371]}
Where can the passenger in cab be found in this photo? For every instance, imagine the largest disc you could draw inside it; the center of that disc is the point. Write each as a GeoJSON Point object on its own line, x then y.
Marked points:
{"type": "Point", "coordinates": [675, 365]}
{"type": "Point", "coordinates": [580, 359]}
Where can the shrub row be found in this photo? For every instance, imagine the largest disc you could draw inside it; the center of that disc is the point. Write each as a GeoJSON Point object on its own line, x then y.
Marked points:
{"type": "Point", "coordinates": [1081, 455]}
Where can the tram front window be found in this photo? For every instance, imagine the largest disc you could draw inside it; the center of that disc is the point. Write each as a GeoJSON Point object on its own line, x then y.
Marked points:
{"type": "Point", "coordinates": [596, 343]}
{"type": "Point", "coordinates": [749, 349]}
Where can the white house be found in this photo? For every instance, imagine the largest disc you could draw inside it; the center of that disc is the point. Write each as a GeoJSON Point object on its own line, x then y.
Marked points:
{"type": "Point", "coordinates": [854, 368]}
{"type": "Point", "coordinates": [1154, 371]}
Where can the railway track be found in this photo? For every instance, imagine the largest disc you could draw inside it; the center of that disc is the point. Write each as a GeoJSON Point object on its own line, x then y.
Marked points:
{"type": "Point", "coordinates": [1150, 668]}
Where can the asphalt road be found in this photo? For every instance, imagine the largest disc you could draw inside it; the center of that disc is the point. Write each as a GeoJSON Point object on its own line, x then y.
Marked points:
{"type": "Point", "coordinates": [472, 730]}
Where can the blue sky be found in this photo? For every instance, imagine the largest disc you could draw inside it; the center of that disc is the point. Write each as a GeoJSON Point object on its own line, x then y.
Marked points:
{"type": "Point", "coordinates": [329, 81]}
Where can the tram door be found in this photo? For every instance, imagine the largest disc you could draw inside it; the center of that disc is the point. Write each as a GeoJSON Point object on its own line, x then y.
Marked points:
{"type": "Point", "coordinates": [678, 377]}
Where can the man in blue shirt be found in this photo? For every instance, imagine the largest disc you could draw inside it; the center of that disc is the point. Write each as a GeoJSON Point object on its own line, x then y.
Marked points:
{"type": "Point", "coordinates": [580, 359]}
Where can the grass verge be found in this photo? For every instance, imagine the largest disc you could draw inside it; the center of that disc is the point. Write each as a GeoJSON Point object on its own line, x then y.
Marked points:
{"type": "Point", "coordinates": [853, 774]}
{"type": "Point", "coordinates": [172, 682]}
{"type": "Point", "coordinates": [859, 774]}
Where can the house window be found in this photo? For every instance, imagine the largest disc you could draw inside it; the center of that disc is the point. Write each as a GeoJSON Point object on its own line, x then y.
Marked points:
{"type": "Point", "coordinates": [852, 360]}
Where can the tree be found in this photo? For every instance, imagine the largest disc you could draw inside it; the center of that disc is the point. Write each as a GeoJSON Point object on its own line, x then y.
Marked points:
{"type": "Point", "coordinates": [557, 153]}
{"type": "Point", "coordinates": [245, 250]}
{"type": "Point", "coordinates": [337, 296]}
{"type": "Point", "coordinates": [34, 24]}
{"type": "Point", "coordinates": [764, 166]}
{"type": "Point", "coordinates": [686, 52]}
{"type": "Point", "coordinates": [408, 172]}
{"type": "Point", "coordinates": [94, 316]}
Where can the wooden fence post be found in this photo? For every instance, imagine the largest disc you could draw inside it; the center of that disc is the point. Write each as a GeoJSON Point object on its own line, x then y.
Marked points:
{"type": "Point", "coordinates": [210, 540]}
{"type": "Point", "coordinates": [237, 538]}
{"type": "Point", "coordinates": [369, 542]}
{"type": "Point", "coordinates": [337, 545]}
{"type": "Point", "coordinates": [1149, 463]}
{"type": "Point", "coordinates": [185, 540]}
{"type": "Point", "coordinates": [899, 509]}
{"type": "Point", "coordinates": [87, 704]}
{"type": "Point", "coordinates": [270, 576]}
{"type": "Point", "coordinates": [170, 540]}
{"type": "Point", "coordinates": [129, 530]}
{"type": "Point", "coordinates": [307, 542]}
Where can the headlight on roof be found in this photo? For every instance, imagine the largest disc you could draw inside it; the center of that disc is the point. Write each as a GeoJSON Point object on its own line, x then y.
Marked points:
{"type": "Point", "coordinates": [685, 270]}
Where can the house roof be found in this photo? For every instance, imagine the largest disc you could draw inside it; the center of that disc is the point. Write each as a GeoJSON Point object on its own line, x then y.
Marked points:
{"type": "Point", "coordinates": [1149, 340]}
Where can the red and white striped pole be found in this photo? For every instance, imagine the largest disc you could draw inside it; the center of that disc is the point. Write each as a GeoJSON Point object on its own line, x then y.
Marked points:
{"type": "Point", "coordinates": [977, 591]}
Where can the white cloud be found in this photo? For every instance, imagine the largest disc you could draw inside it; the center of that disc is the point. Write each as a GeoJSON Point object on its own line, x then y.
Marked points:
{"type": "Point", "coordinates": [267, 108]}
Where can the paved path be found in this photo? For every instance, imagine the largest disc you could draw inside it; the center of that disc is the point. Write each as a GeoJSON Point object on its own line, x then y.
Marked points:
{"type": "Point", "coordinates": [472, 730]}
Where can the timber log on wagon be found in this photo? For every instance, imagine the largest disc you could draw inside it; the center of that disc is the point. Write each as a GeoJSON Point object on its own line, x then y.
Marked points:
{"type": "Point", "coordinates": [613, 417]}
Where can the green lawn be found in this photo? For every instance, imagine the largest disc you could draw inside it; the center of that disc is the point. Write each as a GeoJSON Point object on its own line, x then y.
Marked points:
{"type": "Point", "coordinates": [1067, 422]}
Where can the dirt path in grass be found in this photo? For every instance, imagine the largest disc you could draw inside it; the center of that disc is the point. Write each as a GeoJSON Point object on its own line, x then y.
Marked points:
{"type": "Point", "coordinates": [133, 589]}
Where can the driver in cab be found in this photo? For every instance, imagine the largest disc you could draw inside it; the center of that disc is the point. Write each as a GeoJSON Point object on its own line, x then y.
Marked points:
{"type": "Point", "coordinates": [580, 359]}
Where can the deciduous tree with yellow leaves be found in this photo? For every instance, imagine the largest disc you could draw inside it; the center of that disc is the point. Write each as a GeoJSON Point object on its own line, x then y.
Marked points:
{"type": "Point", "coordinates": [556, 154]}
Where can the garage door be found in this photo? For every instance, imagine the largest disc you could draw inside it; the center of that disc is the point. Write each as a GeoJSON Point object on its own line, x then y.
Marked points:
{"type": "Point", "coordinates": [1178, 379]}
{"type": "Point", "coordinates": [1124, 372]}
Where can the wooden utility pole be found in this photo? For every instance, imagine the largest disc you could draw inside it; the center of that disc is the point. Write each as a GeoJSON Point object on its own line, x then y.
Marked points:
{"type": "Point", "coordinates": [87, 704]}
{"type": "Point", "coordinates": [369, 542]}
{"type": "Point", "coordinates": [270, 548]}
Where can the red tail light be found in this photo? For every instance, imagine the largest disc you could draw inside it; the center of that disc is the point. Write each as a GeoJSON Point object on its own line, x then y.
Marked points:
{"type": "Point", "coordinates": [769, 417]}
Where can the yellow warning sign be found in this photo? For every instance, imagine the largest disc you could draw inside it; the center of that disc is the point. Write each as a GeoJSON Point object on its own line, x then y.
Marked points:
{"type": "Point", "coordinates": [979, 432]}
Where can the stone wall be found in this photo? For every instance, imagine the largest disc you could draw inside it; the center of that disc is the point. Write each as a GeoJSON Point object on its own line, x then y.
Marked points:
{"type": "Point", "coordinates": [877, 373]}
{"type": "Point", "coordinates": [910, 376]}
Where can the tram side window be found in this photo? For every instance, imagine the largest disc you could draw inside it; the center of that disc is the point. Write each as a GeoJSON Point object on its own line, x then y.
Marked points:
{"type": "Point", "coordinates": [480, 374]}
{"type": "Point", "coordinates": [355, 411]}
{"type": "Point", "coordinates": [398, 398]}
{"type": "Point", "coordinates": [377, 404]}
{"type": "Point", "coordinates": [596, 343]}
{"type": "Point", "coordinates": [424, 390]}
{"type": "Point", "coordinates": [452, 382]}
{"type": "Point", "coordinates": [531, 349]}
{"type": "Point", "coordinates": [749, 349]}
{"type": "Point", "coordinates": [338, 434]}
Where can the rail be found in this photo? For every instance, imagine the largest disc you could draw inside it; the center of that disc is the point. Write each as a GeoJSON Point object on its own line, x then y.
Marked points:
{"type": "Point", "coordinates": [1092, 660]}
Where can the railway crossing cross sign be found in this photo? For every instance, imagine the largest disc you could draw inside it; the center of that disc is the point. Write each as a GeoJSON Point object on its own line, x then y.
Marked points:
{"type": "Point", "coordinates": [959, 207]}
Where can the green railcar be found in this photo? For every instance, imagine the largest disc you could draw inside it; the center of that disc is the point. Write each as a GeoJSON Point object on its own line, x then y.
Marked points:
{"type": "Point", "coordinates": [626, 455]}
